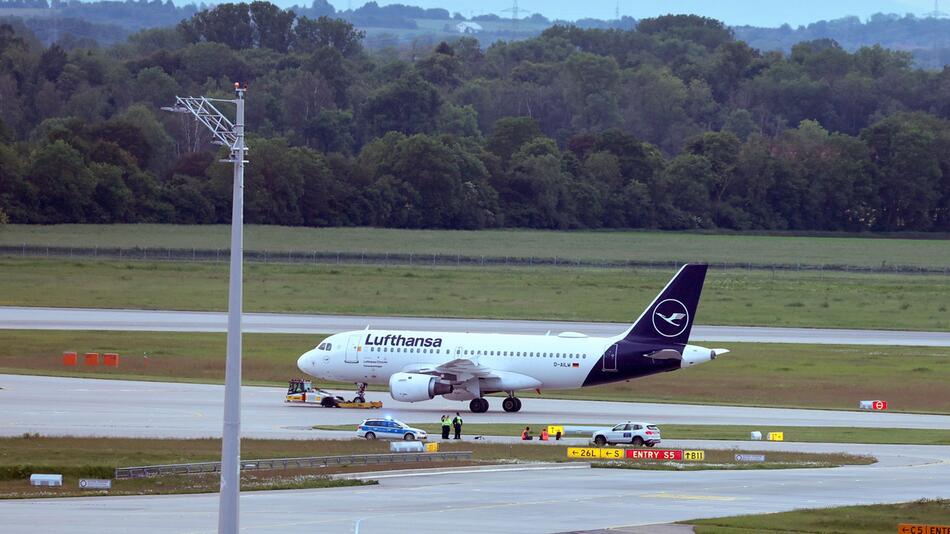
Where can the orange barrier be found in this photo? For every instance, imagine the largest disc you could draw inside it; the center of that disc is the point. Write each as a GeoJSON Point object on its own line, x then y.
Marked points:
{"type": "Point", "coordinates": [91, 359]}
{"type": "Point", "coordinates": [110, 359]}
{"type": "Point", "coordinates": [70, 358]}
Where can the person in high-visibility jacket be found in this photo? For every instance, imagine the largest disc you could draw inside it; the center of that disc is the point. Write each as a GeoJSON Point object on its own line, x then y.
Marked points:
{"type": "Point", "coordinates": [446, 425]}
{"type": "Point", "coordinates": [457, 425]}
{"type": "Point", "coordinates": [526, 434]}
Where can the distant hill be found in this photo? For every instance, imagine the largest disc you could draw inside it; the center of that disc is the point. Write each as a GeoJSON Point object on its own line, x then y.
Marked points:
{"type": "Point", "coordinates": [110, 21]}
{"type": "Point", "coordinates": [928, 39]}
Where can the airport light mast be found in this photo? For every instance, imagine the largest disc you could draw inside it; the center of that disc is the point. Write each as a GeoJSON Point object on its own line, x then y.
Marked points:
{"type": "Point", "coordinates": [230, 135]}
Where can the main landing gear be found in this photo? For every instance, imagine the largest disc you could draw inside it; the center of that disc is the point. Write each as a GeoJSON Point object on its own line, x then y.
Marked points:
{"type": "Point", "coordinates": [478, 405]}
{"type": "Point", "coordinates": [360, 392]}
{"type": "Point", "coordinates": [511, 404]}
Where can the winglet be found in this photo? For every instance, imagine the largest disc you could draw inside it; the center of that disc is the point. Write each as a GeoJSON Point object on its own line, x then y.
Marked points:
{"type": "Point", "coordinates": [669, 318]}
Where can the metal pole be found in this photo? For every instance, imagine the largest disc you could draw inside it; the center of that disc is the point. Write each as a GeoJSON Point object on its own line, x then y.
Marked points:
{"type": "Point", "coordinates": [229, 505]}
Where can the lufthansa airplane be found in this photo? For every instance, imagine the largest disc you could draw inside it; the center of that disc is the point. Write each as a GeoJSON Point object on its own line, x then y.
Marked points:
{"type": "Point", "coordinates": [417, 366]}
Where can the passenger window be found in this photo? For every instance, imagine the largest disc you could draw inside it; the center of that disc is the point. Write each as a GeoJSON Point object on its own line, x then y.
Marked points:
{"type": "Point", "coordinates": [637, 427]}
{"type": "Point", "coordinates": [620, 427]}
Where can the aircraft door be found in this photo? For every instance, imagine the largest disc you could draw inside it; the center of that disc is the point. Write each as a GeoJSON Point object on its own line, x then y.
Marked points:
{"type": "Point", "coordinates": [353, 349]}
{"type": "Point", "coordinates": [610, 359]}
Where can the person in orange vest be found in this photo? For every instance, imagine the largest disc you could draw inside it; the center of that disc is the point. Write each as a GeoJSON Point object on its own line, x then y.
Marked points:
{"type": "Point", "coordinates": [526, 434]}
{"type": "Point", "coordinates": [544, 434]}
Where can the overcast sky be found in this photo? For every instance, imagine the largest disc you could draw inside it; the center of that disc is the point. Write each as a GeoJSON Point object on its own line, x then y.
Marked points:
{"type": "Point", "coordinates": [733, 12]}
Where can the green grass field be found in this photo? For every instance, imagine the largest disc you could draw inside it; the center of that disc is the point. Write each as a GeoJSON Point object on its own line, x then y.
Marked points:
{"type": "Point", "coordinates": [78, 458]}
{"type": "Point", "coordinates": [603, 245]}
{"type": "Point", "coordinates": [758, 298]}
{"type": "Point", "coordinates": [876, 519]}
{"type": "Point", "coordinates": [812, 376]}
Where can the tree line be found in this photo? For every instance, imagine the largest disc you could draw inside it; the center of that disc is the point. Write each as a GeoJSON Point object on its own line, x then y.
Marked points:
{"type": "Point", "coordinates": [673, 125]}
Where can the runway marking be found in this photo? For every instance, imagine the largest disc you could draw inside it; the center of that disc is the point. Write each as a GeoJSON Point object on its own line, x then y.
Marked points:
{"type": "Point", "coordinates": [688, 497]}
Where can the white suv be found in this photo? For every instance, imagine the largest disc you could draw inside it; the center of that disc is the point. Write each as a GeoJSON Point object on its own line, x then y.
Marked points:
{"type": "Point", "coordinates": [636, 433]}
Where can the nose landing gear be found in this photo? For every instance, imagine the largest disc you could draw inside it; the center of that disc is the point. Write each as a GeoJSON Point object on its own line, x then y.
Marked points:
{"type": "Point", "coordinates": [360, 392]}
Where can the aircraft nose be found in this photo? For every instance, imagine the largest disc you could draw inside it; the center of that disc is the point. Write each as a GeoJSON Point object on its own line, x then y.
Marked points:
{"type": "Point", "coordinates": [302, 362]}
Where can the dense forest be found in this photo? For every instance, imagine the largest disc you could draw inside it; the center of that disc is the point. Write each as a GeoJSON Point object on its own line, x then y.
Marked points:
{"type": "Point", "coordinates": [674, 125]}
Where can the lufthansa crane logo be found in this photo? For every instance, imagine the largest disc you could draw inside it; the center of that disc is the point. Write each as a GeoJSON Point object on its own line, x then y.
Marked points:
{"type": "Point", "coordinates": [670, 318]}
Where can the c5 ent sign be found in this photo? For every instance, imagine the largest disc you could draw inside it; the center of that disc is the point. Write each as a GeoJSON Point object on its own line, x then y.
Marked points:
{"type": "Point", "coordinates": [907, 528]}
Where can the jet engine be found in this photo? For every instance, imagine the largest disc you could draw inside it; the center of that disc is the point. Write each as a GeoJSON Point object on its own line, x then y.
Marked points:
{"type": "Point", "coordinates": [415, 387]}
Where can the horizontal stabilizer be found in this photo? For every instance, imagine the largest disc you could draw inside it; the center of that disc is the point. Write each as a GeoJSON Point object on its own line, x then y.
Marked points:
{"type": "Point", "coordinates": [665, 354]}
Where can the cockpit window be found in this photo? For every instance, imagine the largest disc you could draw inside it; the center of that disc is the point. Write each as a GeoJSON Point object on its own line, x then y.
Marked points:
{"type": "Point", "coordinates": [321, 346]}
{"type": "Point", "coordinates": [329, 346]}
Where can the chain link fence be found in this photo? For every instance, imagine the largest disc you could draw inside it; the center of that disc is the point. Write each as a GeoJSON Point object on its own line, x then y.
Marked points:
{"type": "Point", "coordinates": [403, 259]}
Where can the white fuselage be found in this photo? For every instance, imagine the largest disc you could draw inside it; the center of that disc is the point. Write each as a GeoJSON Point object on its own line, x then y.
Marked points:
{"type": "Point", "coordinates": [560, 361]}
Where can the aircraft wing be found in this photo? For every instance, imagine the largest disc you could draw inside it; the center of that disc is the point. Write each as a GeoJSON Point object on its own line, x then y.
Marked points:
{"type": "Point", "coordinates": [455, 371]}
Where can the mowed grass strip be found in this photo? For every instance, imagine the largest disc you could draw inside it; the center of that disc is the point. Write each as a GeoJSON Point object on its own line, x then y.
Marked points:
{"type": "Point", "coordinates": [901, 436]}
{"type": "Point", "coordinates": [911, 379]}
{"type": "Point", "coordinates": [586, 245]}
{"type": "Point", "coordinates": [179, 484]}
{"type": "Point", "coordinates": [77, 458]}
{"type": "Point", "coordinates": [756, 298]}
{"type": "Point", "coordinates": [873, 519]}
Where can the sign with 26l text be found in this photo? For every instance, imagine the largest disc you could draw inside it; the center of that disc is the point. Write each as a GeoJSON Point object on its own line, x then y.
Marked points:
{"type": "Point", "coordinates": [594, 453]}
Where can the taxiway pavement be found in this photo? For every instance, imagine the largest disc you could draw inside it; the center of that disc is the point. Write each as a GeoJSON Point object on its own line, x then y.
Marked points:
{"type": "Point", "coordinates": [191, 321]}
{"type": "Point", "coordinates": [92, 407]}
{"type": "Point", "coordinates": [486, 500]}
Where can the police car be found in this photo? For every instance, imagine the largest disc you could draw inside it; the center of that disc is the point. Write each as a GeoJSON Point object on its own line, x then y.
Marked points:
{"type": "Point", "coordinates": [636, 433]}
{"type": "Point", "coordinates": [388, 429]}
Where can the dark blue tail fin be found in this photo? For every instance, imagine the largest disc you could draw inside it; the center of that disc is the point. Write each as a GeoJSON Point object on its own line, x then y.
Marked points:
{"type": "Point", "coordinates": [670, 317]}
